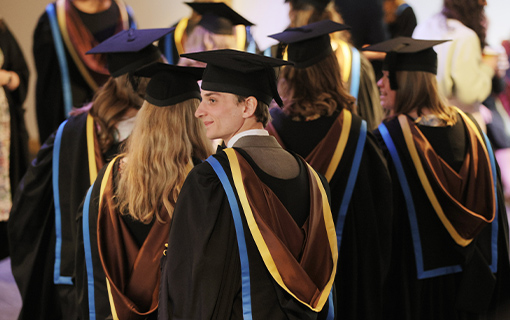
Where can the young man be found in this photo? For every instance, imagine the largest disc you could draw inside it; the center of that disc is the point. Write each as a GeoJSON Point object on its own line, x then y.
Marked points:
{"type": "Point", "coordinates": [252, 211]}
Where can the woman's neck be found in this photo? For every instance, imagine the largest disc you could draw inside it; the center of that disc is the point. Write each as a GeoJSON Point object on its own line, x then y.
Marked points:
{"type": "Point", "coordinates": [92, 6]}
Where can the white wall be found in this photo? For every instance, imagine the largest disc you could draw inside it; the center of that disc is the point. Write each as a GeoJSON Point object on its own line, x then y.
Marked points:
{"type": "Point", "coordinates": [270, 15]}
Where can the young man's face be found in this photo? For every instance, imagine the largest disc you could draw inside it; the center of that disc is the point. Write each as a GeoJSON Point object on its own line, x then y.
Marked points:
{"type": "Point", "coordinates": [221, 114]}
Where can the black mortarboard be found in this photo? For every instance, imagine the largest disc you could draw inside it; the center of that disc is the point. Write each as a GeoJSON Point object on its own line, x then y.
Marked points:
{"type": "Point", "coordinates": [217, 17]}
{"type": "Point", "coordinates": [407, 54]}
{"type": "Point", "coordinates": [319, 4]}
{"type": "Point", "coordinates": [240, 73]}
{"type": "Point", "coordinates": [130, 49]}
{"type": "Point", "coordinates": [170, 84]}
{"type": "Point", "coordinates": [309, 44]}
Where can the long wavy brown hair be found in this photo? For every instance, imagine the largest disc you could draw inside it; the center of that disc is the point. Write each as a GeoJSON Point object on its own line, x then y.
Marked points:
{"type": "Point", "coordinates": [471, 13]}
{"type": "Point", "coordinates": [418, 90]}
{"type": "Point", "coordinates": [315, 90]}
{"type": "Point", "coordinates": [157, 159]}
{"type": "Point", "coordinates": [110, 104]}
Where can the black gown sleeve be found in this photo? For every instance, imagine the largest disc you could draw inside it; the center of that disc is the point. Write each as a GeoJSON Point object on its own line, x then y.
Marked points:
{"type": "Point", "coordinates": [31, 230]}
{"type": "Point", "coordinates": [15, 61]}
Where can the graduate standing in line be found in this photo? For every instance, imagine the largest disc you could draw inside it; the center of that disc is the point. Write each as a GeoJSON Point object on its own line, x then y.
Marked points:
{"type": "Point", "coordinates": [252, 233]}
{"type": "Point", "coordinates": [450, 238]}
{"type": "Point", "coordinates": [357, 73]}
{"type": "Point", "coordinates": [132, 201]}
{"type": "Point", "coordinates": [42, 228]}
{"type": "Point", "coordinates": [317, 123]}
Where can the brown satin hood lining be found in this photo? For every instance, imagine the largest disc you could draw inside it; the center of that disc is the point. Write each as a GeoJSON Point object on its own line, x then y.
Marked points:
{"type": "Point", "coordinates": [133, 273]}
{"type": "Point", "coordinates": [321, 156]}
{"type": "Point", "coordinates": [294, 250]}
{"type": "Point", "coordinates": [464, 196]}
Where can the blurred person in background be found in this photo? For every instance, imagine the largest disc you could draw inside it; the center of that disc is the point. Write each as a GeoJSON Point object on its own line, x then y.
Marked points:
{"type": "Point", "coordinates": [464, 73]}
{"type": "Point", "coordinates": [14, 156]}
{"type": "Point", "coordinates": [176, 44]}
{"type": "Point", "coordinates": [67, 78]}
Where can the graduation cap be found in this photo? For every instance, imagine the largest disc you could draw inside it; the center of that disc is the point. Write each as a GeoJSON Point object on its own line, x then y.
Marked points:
{"type": "Point", "coordinates": [130, 49]}
{"type": "Point", "coordinates": [170, 84]}
{"type": "Point", "coordinates": [319, 4]}
{"type": "Point", "coordinates": [217, 17]}
{"type": "Point", "coordinates": [407, 54]}
{"type": "Point", "coordinates": [240, 73]}
{"type": "Point", "coordinates": [309, 44]}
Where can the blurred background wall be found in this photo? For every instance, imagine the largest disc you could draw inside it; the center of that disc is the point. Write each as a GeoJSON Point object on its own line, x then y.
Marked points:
{"type": "Point", "coordinates": [271, 16]}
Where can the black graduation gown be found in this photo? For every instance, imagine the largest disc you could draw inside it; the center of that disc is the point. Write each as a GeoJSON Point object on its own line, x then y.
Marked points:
{"type": "Point", "coordinates": [201, 272]}
{"type": "Point", "coordinates": [449, 288]}
{"type": "Point", "coordinates": [365, 244]}
{"type": "Point", "coordinates": [32, 225]}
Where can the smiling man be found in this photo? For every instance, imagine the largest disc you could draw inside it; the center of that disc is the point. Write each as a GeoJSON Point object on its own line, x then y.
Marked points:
{"type": "Point", "coordinates": [252, 234]}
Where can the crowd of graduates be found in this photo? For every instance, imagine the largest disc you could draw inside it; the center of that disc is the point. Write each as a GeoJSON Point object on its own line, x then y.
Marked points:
{"type": "Point", "coordinates": [352, 171]}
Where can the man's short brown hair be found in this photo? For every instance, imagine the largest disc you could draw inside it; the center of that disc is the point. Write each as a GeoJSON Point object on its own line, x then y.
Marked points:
{"type": "Point", "coordinates": [261, 112]}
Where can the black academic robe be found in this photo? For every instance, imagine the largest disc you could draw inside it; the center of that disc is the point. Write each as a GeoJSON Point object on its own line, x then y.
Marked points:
{"type": "Point", "coordinates": [201, 272]}
{"type": "Point", "coordinates": [42, 269]}
{"type": "Point", "coordinates": [49, 99]}
{"type": "Point", "coordinates": [432, 277]}
{"type": "Point", "coordinates": [365, 227]}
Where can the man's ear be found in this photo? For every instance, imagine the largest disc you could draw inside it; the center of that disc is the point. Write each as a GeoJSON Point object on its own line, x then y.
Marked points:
{"type": "Point", "coordinates": [250, 105]}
